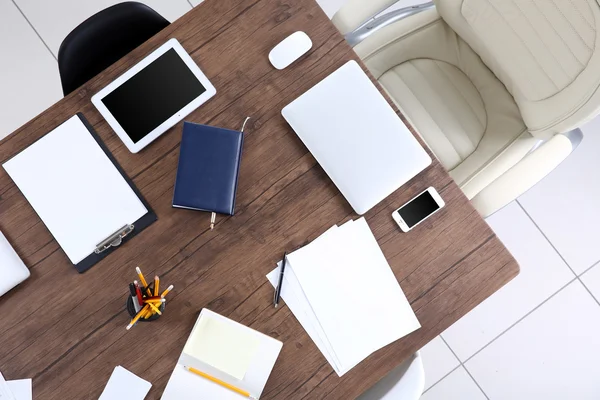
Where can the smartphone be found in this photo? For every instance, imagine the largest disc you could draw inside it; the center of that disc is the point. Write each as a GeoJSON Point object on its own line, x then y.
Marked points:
{"type": "Point", "coordinates": [418, 209]}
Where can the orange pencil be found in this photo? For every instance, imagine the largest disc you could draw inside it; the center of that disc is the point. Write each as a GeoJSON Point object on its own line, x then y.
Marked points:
{"type": "Point", "coordinates": [167, 291]}
{"type": "Point", "coordinates": [219, 382]}
{"type": "Point", "coordinates": [156, 285]}
{"type": "Point", "coordinates": [143, 280]}
{"type": "Point", "coordinates": [138, 316]}
{"type": "Point", "coordinates": [156, 310]}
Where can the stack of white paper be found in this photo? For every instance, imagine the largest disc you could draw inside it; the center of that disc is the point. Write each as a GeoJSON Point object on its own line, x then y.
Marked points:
{"type": "Point", "coordinates": [344, 293]}
{"type": "Point", "coordinates": [15, 390]}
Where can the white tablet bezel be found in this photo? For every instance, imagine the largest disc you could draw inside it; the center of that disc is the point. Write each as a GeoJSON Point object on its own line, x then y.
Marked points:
{"type": "Point", "coordinates": [173, 120]}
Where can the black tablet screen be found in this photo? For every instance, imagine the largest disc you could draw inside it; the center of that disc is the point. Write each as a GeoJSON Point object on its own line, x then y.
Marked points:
{"type": "Point", "coordinates": [153, 95]}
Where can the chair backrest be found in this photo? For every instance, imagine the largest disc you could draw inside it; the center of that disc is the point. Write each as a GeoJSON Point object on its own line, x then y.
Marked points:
{"type": "Point", "coordinates": [103, 39]}
{"type": "Point", "coordinates": [546, 52]}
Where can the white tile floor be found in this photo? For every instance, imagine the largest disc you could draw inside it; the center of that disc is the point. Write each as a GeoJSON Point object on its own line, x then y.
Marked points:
{"type": "Point", "coordinates": [537, 338]}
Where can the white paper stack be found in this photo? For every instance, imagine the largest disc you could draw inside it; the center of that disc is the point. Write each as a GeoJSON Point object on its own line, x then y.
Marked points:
{"type": "Point", "coordinates": [344, 293]}
{"type": "Point", "coordinates": [15, 390]}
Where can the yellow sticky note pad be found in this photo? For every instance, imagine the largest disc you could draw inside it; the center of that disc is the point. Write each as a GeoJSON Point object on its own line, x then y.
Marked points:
{"type": "Point", "coordinates": [223, 346]}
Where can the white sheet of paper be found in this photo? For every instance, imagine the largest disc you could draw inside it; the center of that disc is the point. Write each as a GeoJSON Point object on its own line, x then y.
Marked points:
{"type": "Point", "coordinates": [75, 189]}
{"type": "Point", "coordinates": [344, 293]}
{"type": "Point", "coordinates": [21, 389]}
{"type": "Point", "coordinates": [354, 293]}
{"type": "Point", "coordinates": [297, 302]}
{"type": "Point", "coordinates": [5, 392]}
{"type": "Point", "coordinates": [125, 385]}
{"type": "Point", "coordinates": [223, 346]}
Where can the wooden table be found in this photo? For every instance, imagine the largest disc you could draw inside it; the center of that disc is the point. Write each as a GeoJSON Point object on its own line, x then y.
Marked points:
{"type": "Point", "coordinates": [67, 331]}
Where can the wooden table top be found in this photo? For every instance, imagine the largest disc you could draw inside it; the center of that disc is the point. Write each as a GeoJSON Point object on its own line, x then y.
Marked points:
{"type": "Point", "coordinates": [67, 331]}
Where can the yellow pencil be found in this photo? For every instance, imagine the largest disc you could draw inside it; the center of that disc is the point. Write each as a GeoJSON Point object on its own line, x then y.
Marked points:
{"type": "Point", "coordinates": [219, 382]}
{"type": "Point", "coordinates": [156, 310]}
{"type": "Point", "coordinates": [148, 313]}
{"type": "Point", "coordinates": [166, 291]}
{"type": "Point", "coordinates": [157, 301]}
{"type": "Point", "coordinates": [138, 316]}
{"type": "Point", "coordinates": [143, 280]}
{"type": "Point", "coordinates": [156, 285]}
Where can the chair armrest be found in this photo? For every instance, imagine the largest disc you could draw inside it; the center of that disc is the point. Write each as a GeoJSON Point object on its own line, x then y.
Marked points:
{"type": "Point", "coordinates": [354, 13]}
{"type": "Point", "coordinates": [373, 25]}
{"type": "Point", "coordinates": [526, 173]}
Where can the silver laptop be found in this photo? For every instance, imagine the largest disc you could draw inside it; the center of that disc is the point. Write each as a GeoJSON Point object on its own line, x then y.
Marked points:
{"type": "Point", "coordinates": [356, 136]}
{"type": "Point", "coordinates": [12, 269]}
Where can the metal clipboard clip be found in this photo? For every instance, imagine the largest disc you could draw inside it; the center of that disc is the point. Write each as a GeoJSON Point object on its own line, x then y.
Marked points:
{"type": "Point", "coordinates": [115, 239]}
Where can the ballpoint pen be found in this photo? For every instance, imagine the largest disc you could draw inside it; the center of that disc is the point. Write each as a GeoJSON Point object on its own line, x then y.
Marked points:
{"type": "Point", "coordinates": [280, 284]}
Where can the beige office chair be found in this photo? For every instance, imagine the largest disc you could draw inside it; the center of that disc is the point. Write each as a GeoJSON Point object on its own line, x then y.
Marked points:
{"type": "Point", "coordinates": [496, 88]}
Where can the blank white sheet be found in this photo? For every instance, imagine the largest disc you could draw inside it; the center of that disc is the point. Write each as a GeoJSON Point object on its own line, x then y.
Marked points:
{"type": "Point", "coordinates": [21, 389]}
{"type": "Point", "coordinates": [5, 392]}
{"type": "Point", "coordinates": [344, 293]}
{"type": "Point", "coordinates": [354, 293]}
{"type": "Point", "coordinates": [75, 189]}
{"type": "Point", "coordinates": [125, 385]}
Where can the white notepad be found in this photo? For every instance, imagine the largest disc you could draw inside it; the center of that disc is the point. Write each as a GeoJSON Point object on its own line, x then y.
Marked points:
{"type": "Point", "coordinates": [228, 351]}
{"type": "Point", "coordinates": [75, 188]}
{"type": "Point", "coordinates": [125, 385]}
{"type": "Point", "coordinates": [344, 293]}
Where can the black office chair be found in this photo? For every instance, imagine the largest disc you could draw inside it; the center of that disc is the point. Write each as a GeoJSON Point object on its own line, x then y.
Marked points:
{"type": "Point", "coordinates": [103, 39]}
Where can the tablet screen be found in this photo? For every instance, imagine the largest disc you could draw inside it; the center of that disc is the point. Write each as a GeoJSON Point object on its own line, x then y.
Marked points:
{"type": "Point", "coordinates": [153, 95]}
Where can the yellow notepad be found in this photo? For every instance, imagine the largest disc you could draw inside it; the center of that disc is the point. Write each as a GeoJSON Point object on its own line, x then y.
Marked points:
{"type": "Point", "coordinates": [227, 351]}
{"type": "Point", "coordinates": [223, 346]}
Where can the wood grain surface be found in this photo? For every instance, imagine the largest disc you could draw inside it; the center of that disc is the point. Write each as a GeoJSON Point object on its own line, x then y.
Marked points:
{"type": "Point", "coordinates": [67, 331]}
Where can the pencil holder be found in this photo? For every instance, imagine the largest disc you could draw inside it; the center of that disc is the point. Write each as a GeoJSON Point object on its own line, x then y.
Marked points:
{"type": "Point", "coordinates": [131, 310]}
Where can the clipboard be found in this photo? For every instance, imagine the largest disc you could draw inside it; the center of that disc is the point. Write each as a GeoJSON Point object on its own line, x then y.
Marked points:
{"type": "Point", "coordinates": [31, 178]}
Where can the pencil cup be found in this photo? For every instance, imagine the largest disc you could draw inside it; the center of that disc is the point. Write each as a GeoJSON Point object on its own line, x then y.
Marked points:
{"type": "Point", "coordinates": [132, 313]}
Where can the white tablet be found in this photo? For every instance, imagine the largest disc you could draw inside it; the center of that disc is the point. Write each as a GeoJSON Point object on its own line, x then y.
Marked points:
{"type": "Point", "coordinates": [154, 95]}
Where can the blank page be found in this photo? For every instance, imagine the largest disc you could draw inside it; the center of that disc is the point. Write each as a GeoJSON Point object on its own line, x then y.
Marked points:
{"type": "Point", "coordinates": [125, 385]}
{"type": "Point", "coordinates": [75, 189]}
{"type": "Point", "coordinates": [353, 292]}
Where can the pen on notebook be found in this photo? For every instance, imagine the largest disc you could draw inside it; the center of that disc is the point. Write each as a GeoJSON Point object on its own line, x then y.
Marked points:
{"type": "Point", "coordinates": [219, 382]}
{"type": "Point", "coordinates": [280, 284]}
{"type": "Point", "coordinates": [213, 218]}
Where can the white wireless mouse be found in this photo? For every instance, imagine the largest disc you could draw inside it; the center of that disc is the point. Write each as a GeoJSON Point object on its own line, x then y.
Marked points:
{"type": "Point", "coordinates": [290, 49]}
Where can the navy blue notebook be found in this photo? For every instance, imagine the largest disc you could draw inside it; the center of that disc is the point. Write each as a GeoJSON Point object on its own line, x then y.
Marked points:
{"type": "Point", "coordinates": [209, 164]}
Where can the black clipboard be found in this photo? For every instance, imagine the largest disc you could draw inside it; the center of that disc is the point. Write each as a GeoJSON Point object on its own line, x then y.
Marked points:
{"type": "Point", "coordinates": [127, 232]}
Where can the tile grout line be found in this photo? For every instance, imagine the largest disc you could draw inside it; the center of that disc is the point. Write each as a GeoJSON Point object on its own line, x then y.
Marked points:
{"type": "Point", "coordinates": [35, 30]}
{"type": "Point", "coordinates": [518, 321]}
{"type": "Point", "coordinates": [443, 377]}
{"type": "Point", "coordinates": [464, 367]}
{"type": "Point", "coordinates": [190, 3]}
{"type": "Point", "coordinates": [560, 255]}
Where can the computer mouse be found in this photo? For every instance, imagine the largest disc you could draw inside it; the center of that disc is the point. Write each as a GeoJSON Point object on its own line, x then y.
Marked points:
{"type": "Point", "coordinates": [290, 49]}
